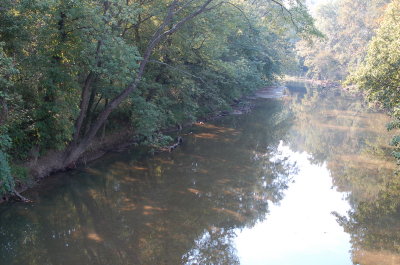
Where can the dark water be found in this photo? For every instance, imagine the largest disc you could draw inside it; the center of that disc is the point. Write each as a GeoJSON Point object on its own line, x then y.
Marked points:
{"type": "Point", "coordinates": [305, 179]}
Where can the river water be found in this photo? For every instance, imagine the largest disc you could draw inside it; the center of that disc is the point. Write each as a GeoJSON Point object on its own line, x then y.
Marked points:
{"type": "Point", "coordinates": [303, 179]}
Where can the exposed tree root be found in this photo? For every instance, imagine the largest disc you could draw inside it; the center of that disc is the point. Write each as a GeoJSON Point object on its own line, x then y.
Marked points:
{"type": "Point", "coordinates": [19, 197]}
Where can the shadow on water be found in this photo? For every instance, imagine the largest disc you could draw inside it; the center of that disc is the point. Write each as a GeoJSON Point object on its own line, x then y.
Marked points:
{"type": "Point", "coordinates": [174, 208]}
{"type": "Point", "coordinates": [229, 179]}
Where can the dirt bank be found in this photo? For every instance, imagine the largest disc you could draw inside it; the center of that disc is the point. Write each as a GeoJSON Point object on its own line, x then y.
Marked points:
{"type": "Point", "coordinates": [123, 139]}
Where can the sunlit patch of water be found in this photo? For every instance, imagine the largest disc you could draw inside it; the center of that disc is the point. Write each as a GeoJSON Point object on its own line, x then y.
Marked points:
{"type": "Point", "coordinates": [301, 229]}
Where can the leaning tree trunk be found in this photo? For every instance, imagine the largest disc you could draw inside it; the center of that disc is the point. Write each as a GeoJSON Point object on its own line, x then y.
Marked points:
{"type": "Point", "coordinates": [78, 147]}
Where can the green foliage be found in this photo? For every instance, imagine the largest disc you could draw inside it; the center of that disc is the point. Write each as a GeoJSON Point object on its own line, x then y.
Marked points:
{"type": "Point", "coordinates": [54, 46]}
{"type": "Point", "coordinates": [52, 52]}
{"type": "Point", "coordinates": [5, 142]}
{"type": "Point", "coordinates": [6, 70]}
{"type": "Point", "coordinates": [395, 124]}
{"type": "Point", "coordinates": [146, 117]}
{"type": "Point", "coordinates": [6, 179]}
{"type": "Point", "coordinates": [379, 74]}
{"type": "Point", "coordinates": [348, 26]}
{"type": "Point", "coordinates": [19, 172]}
{"type": "Point", "coordinates": [227, 56]}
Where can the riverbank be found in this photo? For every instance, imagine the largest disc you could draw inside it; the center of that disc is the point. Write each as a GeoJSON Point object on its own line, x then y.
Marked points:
{"type": "Point", "coordinates": [288, 163]}
{"type": "Point", "coordinates": [322, 83]}
{"type": "Point", "coordinates": [40, 168]}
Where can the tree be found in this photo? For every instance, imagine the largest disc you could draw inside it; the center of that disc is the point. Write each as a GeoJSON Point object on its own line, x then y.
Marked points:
{"type": "Point", "coordinates": [348, 27]}
{"type": "Point", "coordinates": [90, 67]}
{"type": "Point", "coordinates": [172, 21]}
{"type": "Point", "coordinates": [379, 74]}
{"type": "Point", "coordinates": [6, 71]}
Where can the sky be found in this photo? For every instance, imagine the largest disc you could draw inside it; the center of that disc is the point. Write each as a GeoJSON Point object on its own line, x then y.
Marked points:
{"type": "Point", "coordinates": [314, 3]}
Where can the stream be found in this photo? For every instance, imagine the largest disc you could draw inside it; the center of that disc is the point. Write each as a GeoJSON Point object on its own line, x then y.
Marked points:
{"type": "Point", "coordinates": [305, 178]}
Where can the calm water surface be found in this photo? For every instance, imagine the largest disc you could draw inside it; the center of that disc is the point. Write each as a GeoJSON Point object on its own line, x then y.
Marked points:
{"type": "Point", "coordinates": [304, 179]}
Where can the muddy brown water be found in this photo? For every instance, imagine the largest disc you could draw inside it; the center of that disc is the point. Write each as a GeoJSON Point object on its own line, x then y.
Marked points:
{"type": "Point", "coordinates": [305, 178]}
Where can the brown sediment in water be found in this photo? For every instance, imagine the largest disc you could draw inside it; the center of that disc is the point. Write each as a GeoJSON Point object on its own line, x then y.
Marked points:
{"type": "Point", "coordinates": [121, 140]}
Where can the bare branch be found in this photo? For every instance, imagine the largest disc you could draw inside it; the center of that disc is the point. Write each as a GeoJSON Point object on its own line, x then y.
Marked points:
{"type": "Point", "coordinates": [284, 8]}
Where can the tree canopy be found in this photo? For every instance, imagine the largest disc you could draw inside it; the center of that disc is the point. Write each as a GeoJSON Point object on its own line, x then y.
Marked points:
{"type": "Point", "coordinates": [379, 74]}
{"type": "Point", "coordinates": [361, 48]}
{"type": "Point", "coordinates": [348, 26]}
{"type": "Point", "coordinates": [73, 72]}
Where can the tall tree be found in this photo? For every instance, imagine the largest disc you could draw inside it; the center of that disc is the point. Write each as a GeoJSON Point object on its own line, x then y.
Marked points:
{"type": "Point", "coordinates": [348, 26]}
{"type": "Point", "coordinates": [90, 66]}
{"type": "Point", "coordinates": [379, 74]}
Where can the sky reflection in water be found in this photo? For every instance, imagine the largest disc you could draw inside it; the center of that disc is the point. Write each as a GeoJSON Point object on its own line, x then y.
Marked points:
{"type": "Point", "coordinates": [227, 196]}
{"type": "Point", "coordinates": [300, 229]}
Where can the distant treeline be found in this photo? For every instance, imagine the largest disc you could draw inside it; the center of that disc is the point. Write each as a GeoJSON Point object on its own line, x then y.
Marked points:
{"type": "Point", "coordinates": [361, 47]}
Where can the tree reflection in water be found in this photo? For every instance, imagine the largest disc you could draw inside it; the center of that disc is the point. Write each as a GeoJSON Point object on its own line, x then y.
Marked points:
{"type": "Point", "coordinates": [215, 246]}
{"type": "Point", "coordinates": [334, 126]}
{"type": "Point", "coordinates": [180, 207]}
{"type": "Point", "coordinates": [184, 207]}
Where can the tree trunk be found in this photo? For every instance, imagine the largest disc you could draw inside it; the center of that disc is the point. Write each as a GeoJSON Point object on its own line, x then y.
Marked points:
{"type": "Point", "coordinates": [85, 99]}
{"type": "Point", "coordinates": [76, 149]}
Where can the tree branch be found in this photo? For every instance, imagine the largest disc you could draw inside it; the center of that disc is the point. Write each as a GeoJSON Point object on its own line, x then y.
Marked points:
{"type": "Point", "coordinates": [178, 69]}
{"type": "Point", "coordinates": [284, 8]}
{"type": "Point", "coordinates": [158, 36]}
